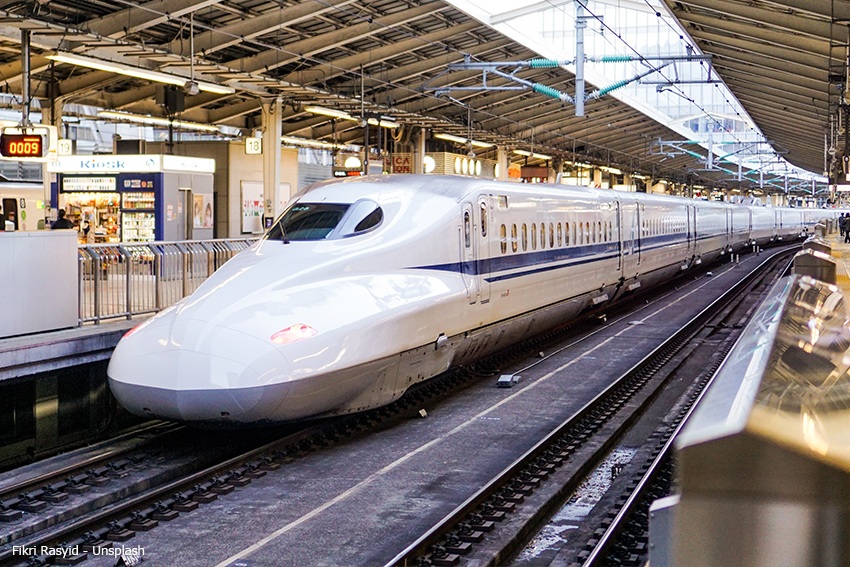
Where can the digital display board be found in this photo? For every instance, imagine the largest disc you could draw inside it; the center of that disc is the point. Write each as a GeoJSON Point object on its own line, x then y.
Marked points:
{"type": "Point", "coordinates": [22, 145]}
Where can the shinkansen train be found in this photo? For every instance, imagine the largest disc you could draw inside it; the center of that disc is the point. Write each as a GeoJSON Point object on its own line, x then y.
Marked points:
{"type": "Point", "coordinates": [366, 286]}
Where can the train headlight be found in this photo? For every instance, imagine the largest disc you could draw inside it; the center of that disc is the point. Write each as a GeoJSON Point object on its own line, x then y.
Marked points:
{"type": "Point", "coordinates": [293, 334]}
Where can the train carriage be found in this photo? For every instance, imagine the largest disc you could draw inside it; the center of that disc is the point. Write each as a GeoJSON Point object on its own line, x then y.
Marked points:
{"type": "Point", "coordinates": [366, 286]}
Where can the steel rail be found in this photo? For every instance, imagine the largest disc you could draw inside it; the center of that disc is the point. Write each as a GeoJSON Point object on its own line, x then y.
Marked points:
{"type": "Point", "coordinates": [420, 547]}
{"type": "Point", "coordinates": [598, 555]}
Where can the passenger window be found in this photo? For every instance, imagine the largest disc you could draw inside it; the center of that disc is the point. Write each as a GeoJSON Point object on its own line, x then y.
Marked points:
{"type": "Point", "coordinates": [560, 235]}
{"type": "Point", "coordinates": [513, 238]}
{"type": "Point", "coordinates": [587, 233]}
{"type": "Point", "coordinates": [599, 231]}
{"type": "Point", "coordinates": [551, 235]}
{"type": "Point", "coordinates": [467, 230]}
{"type": "Point", "coordinates": [483, 218]}
{"type": "Point", "coordinates": [533, 236]}
{"type": "Point", "coordinates": [567, 233]}
{"type": "Point", "coordinates": [542, 235]}
{"type": "Point", "coordinates": [503, 239]}
{"type": "Point", "coordinates": [524, 237]}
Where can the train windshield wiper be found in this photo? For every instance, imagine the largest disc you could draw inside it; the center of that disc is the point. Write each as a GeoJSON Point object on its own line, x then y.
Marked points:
{"type": "Point", "coordinates": [282, 230]}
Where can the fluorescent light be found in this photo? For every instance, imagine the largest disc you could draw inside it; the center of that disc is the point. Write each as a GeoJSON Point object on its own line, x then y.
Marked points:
{"type": "Point", "coordinates": [138, 72]}
{"type": "Point", "coordinates": [307, 143]}
{"type": "Point", "coordinates": [464, 141]}
{"type": "Point", "coordinates": [332, 112]}
{"type": "Point", "coordinates": [531, 154]}
{"type": "Point", "coordinates": [450, 138]}
{"type": "Point", "coordinates": [383, 122]}
{"type": "Point", "coordinates": [157, 121]}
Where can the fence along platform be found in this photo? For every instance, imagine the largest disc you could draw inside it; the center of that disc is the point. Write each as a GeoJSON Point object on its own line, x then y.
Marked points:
{"type": "Point", "coordinates": [764, 461]}
{"type": "Point", "coordinates": [125, 280]}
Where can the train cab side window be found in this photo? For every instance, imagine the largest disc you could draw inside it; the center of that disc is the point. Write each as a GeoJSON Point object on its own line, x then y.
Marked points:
{"type": "Point", "coordinates": [467, 230]}
{"type": "Point", "coordinates": [533, 236]}
{"type": "Point", "coordinates": [513, 238]}
{"type": "Point", "coordinates": [363, 216]}
{"type": "Point", "coordinates": [503, 239]}
{"type": "Point", "coordinates": [524, 237]}
{"type": "Point", "coordinates": [483, 218]}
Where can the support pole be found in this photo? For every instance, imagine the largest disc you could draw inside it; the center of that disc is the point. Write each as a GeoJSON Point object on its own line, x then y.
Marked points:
{"type": "Point", "coordinates": [419, 151]}
{"type": "Point", "coordinates": [272, 115]}
{"type": "Point", "coordinates": [25, 79]}
{"type": "Point", "coordinates": [581, 24]}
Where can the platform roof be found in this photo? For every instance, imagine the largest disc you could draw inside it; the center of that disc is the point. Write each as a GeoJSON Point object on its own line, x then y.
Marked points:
{"type": "Point", "coordinates": [780, 60]}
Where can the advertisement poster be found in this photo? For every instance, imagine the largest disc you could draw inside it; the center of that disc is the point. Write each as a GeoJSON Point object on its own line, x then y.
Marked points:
{"type": "Point", "coordinates": [252, 207]}
{"type": "Point", "coordinates": [202, 215]}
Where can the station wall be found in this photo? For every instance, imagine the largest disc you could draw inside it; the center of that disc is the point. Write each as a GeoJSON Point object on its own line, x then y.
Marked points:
{"type": "Point", "coordinates": [237, 175]}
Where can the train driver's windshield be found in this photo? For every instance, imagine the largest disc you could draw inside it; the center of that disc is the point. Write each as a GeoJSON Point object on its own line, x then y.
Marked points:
{"type": "Point", "coordinates": [320, 221]}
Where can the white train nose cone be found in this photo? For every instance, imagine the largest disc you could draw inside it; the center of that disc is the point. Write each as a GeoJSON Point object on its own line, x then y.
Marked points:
{"type": "Point", "coordinates": [204, 373]}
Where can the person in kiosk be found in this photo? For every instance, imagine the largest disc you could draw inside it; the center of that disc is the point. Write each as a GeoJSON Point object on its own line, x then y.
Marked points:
{"type": "Point", "coordinates": [62, 222]}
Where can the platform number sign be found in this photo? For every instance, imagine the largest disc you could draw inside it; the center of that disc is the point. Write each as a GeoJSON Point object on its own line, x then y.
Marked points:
{"type": "Point", "coordinates": [253, 146]}
{"type": "Point", "coordinates": [65, 147]}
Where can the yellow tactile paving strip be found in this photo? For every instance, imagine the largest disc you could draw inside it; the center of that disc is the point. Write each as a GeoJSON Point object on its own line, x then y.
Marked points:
{"type": "Point", "coordinates": [841, 253]}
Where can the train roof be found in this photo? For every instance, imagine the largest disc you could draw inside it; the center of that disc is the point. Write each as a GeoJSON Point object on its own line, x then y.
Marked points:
{"type": "Point", "coordinates": [457, 188]}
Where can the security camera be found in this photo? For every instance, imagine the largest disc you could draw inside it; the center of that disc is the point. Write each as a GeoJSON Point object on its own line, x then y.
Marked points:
{"type": "Point", "coordinates": [191, 88]}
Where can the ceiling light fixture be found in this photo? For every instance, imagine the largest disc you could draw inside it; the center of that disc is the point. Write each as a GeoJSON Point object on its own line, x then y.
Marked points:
{"type": "Point", "coordinates": [464, 141]}
{"type": "Point", "coordinates": [383, 122]}
{"type": "Point", "coordinates": [138, 72]}
{"type": "Point", "coordinates": [156, 121]}
{"type": "Point", "coordinates": [526, 153]}
{"type": "Point", "coordinates": [332, 112]}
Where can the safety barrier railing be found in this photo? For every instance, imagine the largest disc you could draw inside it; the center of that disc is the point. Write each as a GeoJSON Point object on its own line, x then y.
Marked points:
{"type": "Point", "coordinates": [127, 279]}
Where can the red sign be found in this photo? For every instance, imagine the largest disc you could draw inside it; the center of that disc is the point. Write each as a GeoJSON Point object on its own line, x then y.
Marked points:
{"type": "Point", "coordinates": [402, 164]}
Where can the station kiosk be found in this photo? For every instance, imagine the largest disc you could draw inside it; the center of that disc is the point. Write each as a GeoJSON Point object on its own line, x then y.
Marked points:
{"type": "Point", "coordinates": [135, 198]}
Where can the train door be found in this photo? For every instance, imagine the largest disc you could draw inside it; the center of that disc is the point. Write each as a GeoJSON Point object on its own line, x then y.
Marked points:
{"type": "Point", "coordinates": [694, 228]}
{"type": "Point", "coordinates": [628, 218]}
{"type": "Point", "coordinates": [728, 227]}
{"type": "Point", "coordinates": [637, 230]}
{"type": "Point", "coordinates": [468, 268]}
{"type": "Point", "coordinates": [10, 211]}
{"type": "Point", "coordinates": [483, 250]}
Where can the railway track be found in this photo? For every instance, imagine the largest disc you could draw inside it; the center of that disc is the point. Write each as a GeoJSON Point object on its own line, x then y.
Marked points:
{"type": "Point", "coordinates": [650, 401]}
{"type": "Point", "coordinates": [161, 500]}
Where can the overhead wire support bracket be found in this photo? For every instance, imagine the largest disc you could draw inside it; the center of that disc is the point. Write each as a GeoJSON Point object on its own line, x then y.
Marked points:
{"type": "Point", "coordinates": [487, 68]}
{"type": "Point", "coordinates": [495, 68]}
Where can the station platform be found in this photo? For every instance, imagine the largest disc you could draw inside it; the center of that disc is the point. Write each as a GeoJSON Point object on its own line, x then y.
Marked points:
{"type": "Point", "coordinates": [36, 353]}
{"type": "Point", "coordinates": [841, 254]}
